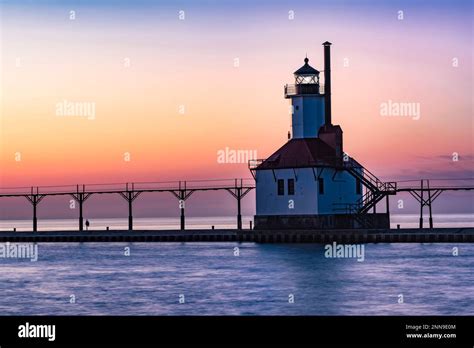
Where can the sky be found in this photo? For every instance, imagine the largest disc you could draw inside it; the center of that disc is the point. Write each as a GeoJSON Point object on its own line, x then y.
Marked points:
{"type": "Point", "coordinates": [169, 84]}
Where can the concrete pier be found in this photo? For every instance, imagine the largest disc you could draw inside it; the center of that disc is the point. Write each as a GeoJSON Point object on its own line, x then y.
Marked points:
{"type": "Point", "coordinates": [415, 235]}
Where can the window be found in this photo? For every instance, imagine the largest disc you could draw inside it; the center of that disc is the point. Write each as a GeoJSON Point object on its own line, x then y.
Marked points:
{"type": "Point", "coordinates": [321, 186]}
{"type": "Point", "coordinates": [297, 107]}
{"type": "Point", "coordinates": [281, 187]}
{"type": "Point", "coordinates": [358, 187]}
{"type": "Point", "coordinates": [291, 187]}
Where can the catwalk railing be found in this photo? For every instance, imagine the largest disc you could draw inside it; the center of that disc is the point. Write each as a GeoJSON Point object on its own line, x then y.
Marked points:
{"type": "Point", "coordinates": [303, 88]}
{"type": "Point", "coordinates": [430, 189]}
{"type": "Point", "coordinates": [181, 190]}
{"type": "Point", "coordinates": [425, 193]}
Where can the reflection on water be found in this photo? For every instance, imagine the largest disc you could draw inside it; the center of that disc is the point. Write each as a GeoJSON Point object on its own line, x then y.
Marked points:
{"type": "Point", "coordinates": [258, 281]}
{"type": "Point", "coordinates": [405, 221]}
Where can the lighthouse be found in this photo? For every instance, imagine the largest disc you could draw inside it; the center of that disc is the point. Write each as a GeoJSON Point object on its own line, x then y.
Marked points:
{"type": "Point", "coordinates": [307, 103]}
{"type": "Point", "coordinates": [310, 182]}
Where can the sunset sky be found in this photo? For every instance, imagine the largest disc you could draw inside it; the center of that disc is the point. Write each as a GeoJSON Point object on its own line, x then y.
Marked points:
{"type": "Point", "coordinates": [142, 63]}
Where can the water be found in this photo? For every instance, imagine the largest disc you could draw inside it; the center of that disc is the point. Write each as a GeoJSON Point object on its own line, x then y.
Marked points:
{"type": "Point", "coordinates": [259, 281]}
{"type": "Point", "coordinates": [404, 220]}
{"type": "Point", "coordinates": [226, 222]}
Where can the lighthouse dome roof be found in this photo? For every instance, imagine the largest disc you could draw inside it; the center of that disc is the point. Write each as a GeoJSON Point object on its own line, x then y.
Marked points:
{"type": "Point", "coordinates": [306, 69]}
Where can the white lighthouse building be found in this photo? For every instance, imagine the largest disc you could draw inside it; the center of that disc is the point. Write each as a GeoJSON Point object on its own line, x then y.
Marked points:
{"type": "Point", "coordinates": [309, 182]}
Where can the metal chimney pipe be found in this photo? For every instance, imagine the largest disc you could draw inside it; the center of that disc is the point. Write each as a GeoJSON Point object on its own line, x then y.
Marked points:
{"type": "Point", "coordinates": [327, 83]}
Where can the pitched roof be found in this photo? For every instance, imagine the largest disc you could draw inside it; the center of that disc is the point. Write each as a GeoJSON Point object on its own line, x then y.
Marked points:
{"type": "Point", "coordinates": [306, 69]}
{"type": "Point", "coordinates": [298, 153]}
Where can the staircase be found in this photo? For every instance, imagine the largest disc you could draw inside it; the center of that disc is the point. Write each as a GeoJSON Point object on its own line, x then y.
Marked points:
{"type": "Point", "coordinates": [375, 191]}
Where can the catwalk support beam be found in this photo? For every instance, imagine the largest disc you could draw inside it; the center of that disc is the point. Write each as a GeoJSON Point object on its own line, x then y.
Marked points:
{"type": "Point", "coordinates": [429, 204]}
{"type": "Point", "coordinates": [182, 194]}
{"type": "Point", "coordinates": [80, 196]}
{"type": "Point", "coordinates": [130, 195]}
{"type": "Point", "coordinates": [34, 199]}
{"type": "Point", "coordinates": [239, 192]}
{"type": "Point", "coordinates": [421, 205]}
{"type": "Point", "coordinates": [433, 193]}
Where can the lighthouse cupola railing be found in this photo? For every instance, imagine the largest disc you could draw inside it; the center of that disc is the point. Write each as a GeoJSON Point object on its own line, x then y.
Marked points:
{"type": "Point", "coordinates": [306, 81]}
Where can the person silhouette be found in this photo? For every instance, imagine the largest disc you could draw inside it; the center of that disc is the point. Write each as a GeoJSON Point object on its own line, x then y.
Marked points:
{"type": "Point", "coordinates": [87, 225]}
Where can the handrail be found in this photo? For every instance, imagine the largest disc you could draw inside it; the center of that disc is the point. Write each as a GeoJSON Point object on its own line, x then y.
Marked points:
{"type": "Point", "coordinates": [132, 186]}
{"type": "Point", "coordinates": [303, 88]}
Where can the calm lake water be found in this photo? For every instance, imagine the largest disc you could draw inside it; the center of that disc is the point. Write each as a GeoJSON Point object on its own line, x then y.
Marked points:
{"type": "Point", "coordinates": [260, 281]}
{"type": "Point", "coordinates": [404, 220]}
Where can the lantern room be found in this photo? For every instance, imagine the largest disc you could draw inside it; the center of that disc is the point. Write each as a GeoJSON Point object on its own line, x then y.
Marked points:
{"type": "Point", "coordinates": [306, 74]}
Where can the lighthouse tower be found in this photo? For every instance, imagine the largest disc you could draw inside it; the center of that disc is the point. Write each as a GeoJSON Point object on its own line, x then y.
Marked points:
{"type": "Point", "coordinates": [306, 183]}
{"type": "Point", "coordinates": [307, 103]}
